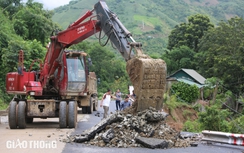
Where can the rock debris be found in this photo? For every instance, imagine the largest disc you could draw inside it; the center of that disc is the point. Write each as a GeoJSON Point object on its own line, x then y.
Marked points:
{"type": "Point", "coordinates": [143, 129]}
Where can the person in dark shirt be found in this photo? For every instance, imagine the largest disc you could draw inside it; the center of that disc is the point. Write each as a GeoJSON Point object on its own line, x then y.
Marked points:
{"type": "Point", "coordinates": [125, 104]}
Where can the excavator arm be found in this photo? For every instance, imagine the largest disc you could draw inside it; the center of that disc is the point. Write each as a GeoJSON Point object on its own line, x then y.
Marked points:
{"type": "Point", "coordinates": [147, 75]}
{"type": "Point", "coordinates": [115, 30]}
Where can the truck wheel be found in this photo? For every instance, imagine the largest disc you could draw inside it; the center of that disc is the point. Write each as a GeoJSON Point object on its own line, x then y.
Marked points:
{"type": "Point", "coordinates": [90, 108]}
{"type": "Point", "coordinates": [63, 114]}
{"type": "Point", "coordinates": [21, 115]}
{"type": "Point", "coordinates": [72, 114]}
{"type": "Point", "coordinates": [29, 120]}
{"type": "Point", "coordinates": [95, 105]}
{"type": "Point", "coordinates": [12, 119]}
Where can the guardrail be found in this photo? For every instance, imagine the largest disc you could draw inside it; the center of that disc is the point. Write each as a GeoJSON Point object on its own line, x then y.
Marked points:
{"type": "Point", "coordinates": [222, 137]}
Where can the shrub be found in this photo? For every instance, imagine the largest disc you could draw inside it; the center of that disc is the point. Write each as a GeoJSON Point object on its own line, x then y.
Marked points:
{"type": "Point", "coordinates": [192, 126]}
{"type": "Point", "coordinates": [185, 92]}
{"type": "Point", "coordinates": [237, 125]}
{"type": "Point", "coordinates": [214, 119]}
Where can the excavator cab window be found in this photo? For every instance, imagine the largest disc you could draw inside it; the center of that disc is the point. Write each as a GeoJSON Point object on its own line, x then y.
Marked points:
{"type": "Point", "coordinates": [76, 73]}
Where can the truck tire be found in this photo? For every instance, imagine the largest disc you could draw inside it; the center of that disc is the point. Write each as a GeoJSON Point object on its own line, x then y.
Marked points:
{"type": "Point", "coordinates": [72, 114]}
{"type": "Point", "coordinates": [63, 114]}
{"type": "Point", "coordinates": [95, 105]}
{"type": "Point", "coordinates": [90, 108]}
{"type": "Point", "coordinates": [29, 120]}
{"type": "Point", "coordinates": [12, 119]}
{"type": "Point", "coordinates": [21, 115]}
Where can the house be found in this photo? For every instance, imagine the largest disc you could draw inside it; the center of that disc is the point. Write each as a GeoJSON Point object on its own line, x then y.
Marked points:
{"type": "Point", "coordinates": [188, 76]}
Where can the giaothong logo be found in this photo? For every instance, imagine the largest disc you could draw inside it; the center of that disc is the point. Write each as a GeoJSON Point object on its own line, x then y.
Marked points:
{"type": "Point", "coordinates": [36, 144]}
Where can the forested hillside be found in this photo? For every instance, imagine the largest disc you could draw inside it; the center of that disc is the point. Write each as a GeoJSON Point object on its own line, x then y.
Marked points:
{"type": "Point", "coordinates": [23, 26]}
{"type": "Point", "coordinates": [151, 21]}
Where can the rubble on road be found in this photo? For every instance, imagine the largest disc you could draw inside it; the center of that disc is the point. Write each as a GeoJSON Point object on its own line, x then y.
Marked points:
{"type": "Point", "coordinates": [146, 128]}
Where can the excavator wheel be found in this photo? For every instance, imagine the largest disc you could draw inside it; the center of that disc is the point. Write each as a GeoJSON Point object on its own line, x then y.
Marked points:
{"type": "Point", "coordinates": [148, 77]}
{"type": "Point", "coordinates": [12, 116]}
{"type": "Point", "coordinates": [95, 104]}
{"type": "Point", "coordinates": [72, 114]}
{"type": "Point", "coordinates": [90, 108]}
{"type": "Point", "coordinates": [21, 115]}
{"type": "Point", "coordinates": [63, 114]}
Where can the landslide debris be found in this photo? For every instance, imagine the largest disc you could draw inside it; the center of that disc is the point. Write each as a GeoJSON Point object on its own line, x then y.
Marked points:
{"type": "Point", "coordinates": [143, 129]}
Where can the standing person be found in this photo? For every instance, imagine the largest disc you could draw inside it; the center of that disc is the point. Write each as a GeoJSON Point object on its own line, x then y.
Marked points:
{"type": "Point", "coordinates": [125, 104]}
{"type": "Point", "coordinates": [105, 102]}
{"type": "Point", "coordinates": [118, 99]}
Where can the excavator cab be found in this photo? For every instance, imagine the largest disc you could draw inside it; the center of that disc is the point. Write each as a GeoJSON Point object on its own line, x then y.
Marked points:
{"type": "Point", "coordinates": [76, 72]}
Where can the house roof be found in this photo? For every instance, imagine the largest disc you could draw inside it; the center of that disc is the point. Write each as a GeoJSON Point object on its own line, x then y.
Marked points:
{"type": "Point", "coordinates": [193, 74]}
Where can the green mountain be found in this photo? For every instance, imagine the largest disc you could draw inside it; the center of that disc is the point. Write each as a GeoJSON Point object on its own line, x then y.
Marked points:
{"type": "Point", "coordinates": [151, 21]}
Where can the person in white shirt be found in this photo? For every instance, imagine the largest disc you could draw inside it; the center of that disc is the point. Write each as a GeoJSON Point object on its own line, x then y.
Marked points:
{"type": "Point", "coordinates": [118, 99]}
{"type": "Point", "coordinates": [105, 102]}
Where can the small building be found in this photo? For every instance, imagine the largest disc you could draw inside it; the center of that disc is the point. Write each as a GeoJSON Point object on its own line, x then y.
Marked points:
{"type": "Point", "coordinates": [188, 76]}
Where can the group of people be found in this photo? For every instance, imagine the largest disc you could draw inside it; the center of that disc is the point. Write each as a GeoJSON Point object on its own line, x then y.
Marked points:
{"type": "Point", "coordinates": [120, 105]}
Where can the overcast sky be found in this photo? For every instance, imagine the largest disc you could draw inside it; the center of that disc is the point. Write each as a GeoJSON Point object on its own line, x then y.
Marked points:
{"type": "Point", "coordinates": [51, 4]}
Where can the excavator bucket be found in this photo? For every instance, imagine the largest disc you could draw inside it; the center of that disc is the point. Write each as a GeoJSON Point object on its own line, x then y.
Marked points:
{"type": "Point", "coordinates": [148, 77]}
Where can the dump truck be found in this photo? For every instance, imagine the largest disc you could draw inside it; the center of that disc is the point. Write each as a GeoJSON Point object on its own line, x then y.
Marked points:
{"type": "Point", "coordinates": [63, 82]}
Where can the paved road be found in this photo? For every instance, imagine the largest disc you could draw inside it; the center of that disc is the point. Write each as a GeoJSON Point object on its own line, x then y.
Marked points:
{"type": "Point", "coordinates": [21, 140]}
{"type": "Point", "coordinates": [90, 120]}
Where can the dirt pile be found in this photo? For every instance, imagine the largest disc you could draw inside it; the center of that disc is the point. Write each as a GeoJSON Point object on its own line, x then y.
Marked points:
{"type": "Point", "coordinates": [146, 128]}
{"type": "Point", "coordinates": [179, 115]}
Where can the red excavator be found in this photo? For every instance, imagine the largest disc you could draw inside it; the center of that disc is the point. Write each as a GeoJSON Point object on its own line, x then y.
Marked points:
{"type": "Point", "coordinates": [63, 81]}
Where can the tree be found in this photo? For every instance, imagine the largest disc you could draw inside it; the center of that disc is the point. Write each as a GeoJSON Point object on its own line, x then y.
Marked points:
{"type": "Point", "coordinates": [33, 22]}
{"type": "Point", "coordinates": [10, 7]}
{"type": "Point", "coordinates": [178, 58]}
{"type": "Point", "coordinates": [221, 53]}
{"type": "Point", "coordinates": [21, 29]}
{"type": "Point", "coordinates": [190, 33]}
{"type": "Point", "coordinates": [213, 84]}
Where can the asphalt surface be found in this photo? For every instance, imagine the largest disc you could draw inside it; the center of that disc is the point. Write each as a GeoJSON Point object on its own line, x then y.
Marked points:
{"type": "Point", "coordinates": [90, 120]}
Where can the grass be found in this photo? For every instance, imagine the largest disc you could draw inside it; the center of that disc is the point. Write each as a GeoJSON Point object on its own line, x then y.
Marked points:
{"type": "Point", "coordinates": [151, 21]}
{"type": "Point", "coordinates": [172, 102]}
{"type": "Point", "coordinates": [137, 31]}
